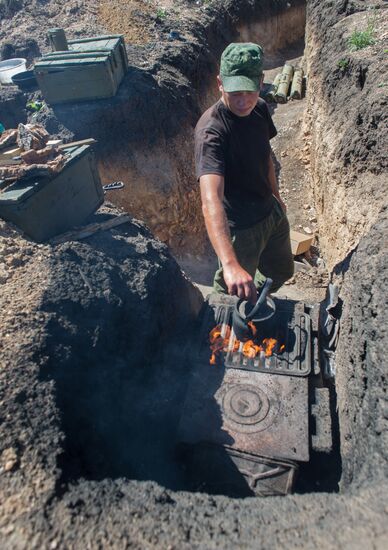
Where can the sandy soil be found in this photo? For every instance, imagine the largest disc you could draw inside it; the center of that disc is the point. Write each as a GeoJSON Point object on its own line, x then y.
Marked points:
{"type": "Point", "coordinates": [142, 21]}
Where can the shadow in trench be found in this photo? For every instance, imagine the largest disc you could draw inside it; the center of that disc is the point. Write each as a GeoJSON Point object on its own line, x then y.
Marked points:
{"type": "Point", "coordinates": [291, 52]}
{"type": "Point", "coordinates": [322, 474]}
{"type": "Point", "coordinates": [120, 420]}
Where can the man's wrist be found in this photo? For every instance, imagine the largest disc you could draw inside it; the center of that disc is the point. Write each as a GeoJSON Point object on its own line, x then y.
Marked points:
{"type": "Point", "coordinates": [229, 263]}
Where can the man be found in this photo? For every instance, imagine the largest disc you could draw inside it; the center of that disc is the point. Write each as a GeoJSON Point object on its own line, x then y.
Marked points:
{"type": "Point", "coordinates": [244, 214]}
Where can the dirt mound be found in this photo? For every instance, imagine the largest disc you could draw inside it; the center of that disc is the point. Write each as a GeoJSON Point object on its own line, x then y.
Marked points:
{"type": "Point", "coordinates": [24, 33]}
{"type": "Point", "coordinates": [81, 320]}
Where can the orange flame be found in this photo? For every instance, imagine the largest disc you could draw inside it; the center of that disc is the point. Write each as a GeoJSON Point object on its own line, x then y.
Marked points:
{"type": "Point", "coordinates": [253, 328]}
{"type": "Point", "coordinates": [269, 344]}
{"type": "Point", "coordinates": [250, 349]}
{"type": "Point", "coordinates": [219, 338]}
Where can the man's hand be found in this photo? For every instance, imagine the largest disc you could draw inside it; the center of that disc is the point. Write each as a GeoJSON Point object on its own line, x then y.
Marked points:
{"type": "Point", "coordinates": [239, 282]}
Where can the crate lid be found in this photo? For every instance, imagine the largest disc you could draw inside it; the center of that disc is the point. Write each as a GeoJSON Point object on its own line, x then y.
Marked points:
{"type": "Point", "coordinates": [77, 53]}
{"type": "Point", "coordinates": [72, 59]}
{"type": "Point", "coordinates": [94, 45]}
{"type": "Point", "coordinates": [22, 189]}
{"type": "Point", "coordinates": [96, 42]}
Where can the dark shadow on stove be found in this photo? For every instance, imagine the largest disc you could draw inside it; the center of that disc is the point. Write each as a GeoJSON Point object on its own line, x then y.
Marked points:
{"type": "Point", "coordinates": [208, 465]}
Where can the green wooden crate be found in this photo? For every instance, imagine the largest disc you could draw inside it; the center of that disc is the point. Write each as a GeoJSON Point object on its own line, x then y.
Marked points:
{"type": "Point", "coordinates": [110, 43]}
{"type": "Point", "coordinates": [46, 207]}
{"type": "Point", "coordinates": [65, 77]}
{"type": "Point", "coordinates": [92, 68]}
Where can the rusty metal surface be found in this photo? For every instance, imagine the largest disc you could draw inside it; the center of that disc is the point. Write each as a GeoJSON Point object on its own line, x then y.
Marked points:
{"type": "Point", "coordinates": [253, 412]}
{"type": "Point", "coordinates": [238, 473]}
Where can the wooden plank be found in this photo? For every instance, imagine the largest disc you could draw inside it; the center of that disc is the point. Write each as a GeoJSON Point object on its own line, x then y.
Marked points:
{"type": "Point", "coordinates": [91, 229]}
{"type": "Point", "coordinates": [88, 141]}
{"type": "Point", "coordinates": [12, 152]}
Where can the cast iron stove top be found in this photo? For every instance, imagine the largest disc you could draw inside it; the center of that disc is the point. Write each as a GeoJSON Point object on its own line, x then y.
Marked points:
{"type": "Point", "coordinates": [290, 326]}
{"type": "Point", "coordinates": [254, 410]}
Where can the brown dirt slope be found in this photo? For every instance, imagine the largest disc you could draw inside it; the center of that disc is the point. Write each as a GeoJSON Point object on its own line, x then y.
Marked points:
{"type": "Point", "coordinates": [347, 115]}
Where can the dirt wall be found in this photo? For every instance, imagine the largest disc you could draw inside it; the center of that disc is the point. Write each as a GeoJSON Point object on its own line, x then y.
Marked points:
{"type": "Point", "coordinates": [361, 378]}
{"type": "Point", "coordinates": [275, 32]}
{"type": "Point", "coordinates": [346, 126]}
{"type": "Point", "coordinates": [346, 103]}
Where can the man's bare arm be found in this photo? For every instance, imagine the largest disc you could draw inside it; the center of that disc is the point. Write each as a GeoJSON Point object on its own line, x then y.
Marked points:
{"type": "Point", "coordinates": [273, 183]}
{"type": "Point", "coordinates": [238, 281]}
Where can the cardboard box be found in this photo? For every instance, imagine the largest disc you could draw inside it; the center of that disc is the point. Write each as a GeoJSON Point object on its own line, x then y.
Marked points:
{"type": "Point", "coordinates": [300, 242]}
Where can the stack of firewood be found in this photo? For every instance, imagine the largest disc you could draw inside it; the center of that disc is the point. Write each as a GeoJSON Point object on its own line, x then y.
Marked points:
{"type": "Point", "coordinates": [33, 157]}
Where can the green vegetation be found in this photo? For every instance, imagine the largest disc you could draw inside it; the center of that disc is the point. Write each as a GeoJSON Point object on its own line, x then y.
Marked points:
{"type": "Point", "coordinates": [343, 63]}
{"type": "Point", "coordinates": [361, 39]}
{"type": "Point", "coordinates": [161, 14]}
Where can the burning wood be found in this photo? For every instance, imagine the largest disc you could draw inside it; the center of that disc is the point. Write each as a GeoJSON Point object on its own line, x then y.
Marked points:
{"type": "Point", "coordinates": [222, 339]}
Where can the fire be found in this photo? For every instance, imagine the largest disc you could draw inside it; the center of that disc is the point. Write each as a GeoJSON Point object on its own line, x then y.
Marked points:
{"type": "Point", "coordinates": [269, 343]}
{"type": "Point", "coordinates": [220, 341]}
{"type": "Point", "coordinates": [253, 328]}
{"type": "Point", "coordinates": [250, 349]}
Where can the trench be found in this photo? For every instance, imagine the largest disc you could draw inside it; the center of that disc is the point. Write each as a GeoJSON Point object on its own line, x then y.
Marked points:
{"type": "Point", "coordinates": [122, 422]}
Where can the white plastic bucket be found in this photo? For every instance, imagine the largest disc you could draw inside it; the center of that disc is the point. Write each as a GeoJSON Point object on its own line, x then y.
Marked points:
{"type": "Point", "coordinates": [10, 67]}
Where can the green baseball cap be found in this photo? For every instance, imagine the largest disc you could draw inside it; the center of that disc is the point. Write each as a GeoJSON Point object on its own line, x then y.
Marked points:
{"type": "Point", "coordinates": [241, 67]}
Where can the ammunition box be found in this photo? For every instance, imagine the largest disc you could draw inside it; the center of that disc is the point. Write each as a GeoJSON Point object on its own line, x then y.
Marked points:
{"type": "Point", "coordinates": [45, 207]}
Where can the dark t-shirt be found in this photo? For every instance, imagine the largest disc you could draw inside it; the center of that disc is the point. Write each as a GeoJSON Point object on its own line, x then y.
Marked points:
{"type": "Point", "coordinates": [238, 148]}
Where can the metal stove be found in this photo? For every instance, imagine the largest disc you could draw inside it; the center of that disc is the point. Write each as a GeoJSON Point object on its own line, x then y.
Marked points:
{"type": "Point", "coordinates": [245, 422]}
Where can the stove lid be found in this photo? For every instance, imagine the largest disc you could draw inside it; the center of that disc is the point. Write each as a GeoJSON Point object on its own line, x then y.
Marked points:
{"type": "Point", "coordinates": [263, 414]}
